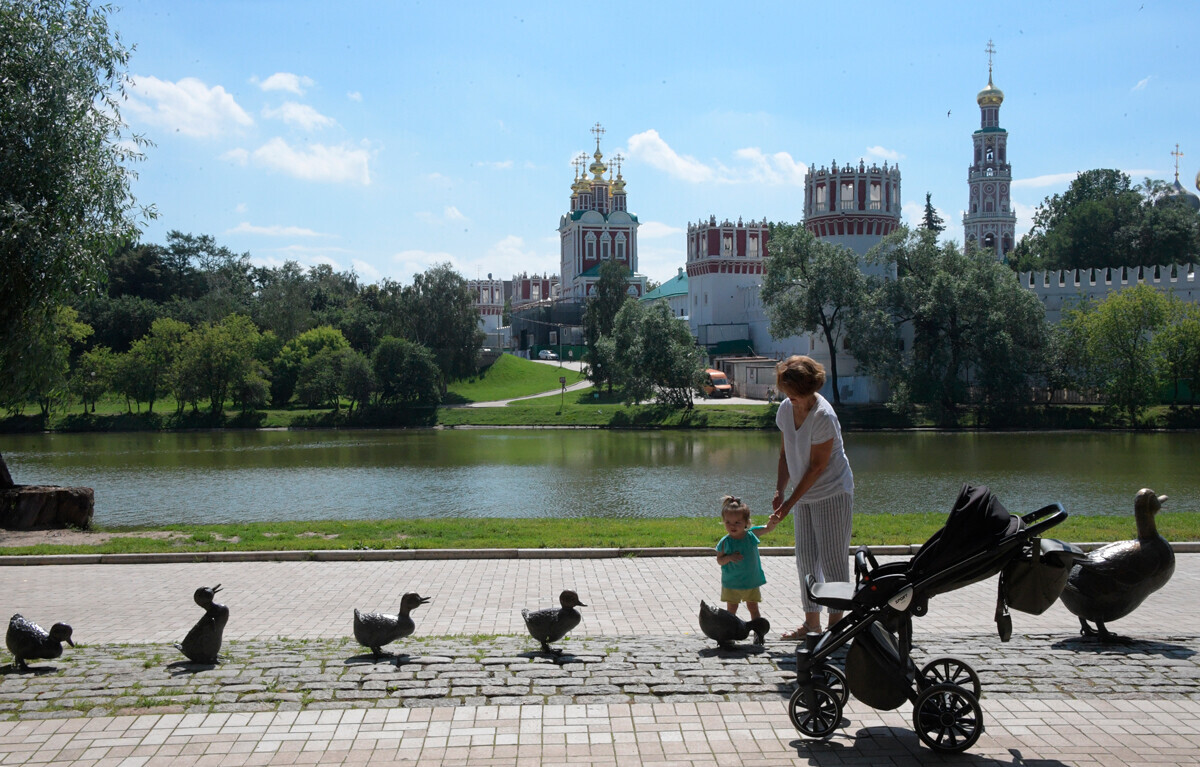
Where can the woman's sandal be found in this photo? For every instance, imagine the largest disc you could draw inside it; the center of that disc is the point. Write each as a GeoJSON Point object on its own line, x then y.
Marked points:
{"type": "Point", "coordinates": [794, 636]}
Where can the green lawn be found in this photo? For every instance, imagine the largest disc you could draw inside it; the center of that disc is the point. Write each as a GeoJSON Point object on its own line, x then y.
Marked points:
{"type": "Point", "coordinates": [494, 533]}
{"type": "Point", "coordinates": [510, 377]}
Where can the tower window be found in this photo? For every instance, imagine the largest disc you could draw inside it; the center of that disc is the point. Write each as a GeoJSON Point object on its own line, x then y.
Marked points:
{"type": "Point", "coordinates": [727, 245]}
{"type": "Point", "coordinates": [876, 196]}
{"type": "Point", "coordinates": [991, 172]}
{"type": "Point", "coordinates": [990, 154]}
{"type": "Point", "coordinates": [752, 246]}
{"type": "Point", "coordinates": [821, 196]}
{"type": "Point", "coordinates": [847, 196]}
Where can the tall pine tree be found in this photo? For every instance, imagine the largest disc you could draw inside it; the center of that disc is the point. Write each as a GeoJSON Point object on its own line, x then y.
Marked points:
{"type": "Point", "coordinates": [932, 221]}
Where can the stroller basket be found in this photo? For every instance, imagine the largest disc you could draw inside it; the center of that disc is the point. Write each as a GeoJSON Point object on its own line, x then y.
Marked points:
{"type": "Point", "coordinates": [979, 540]}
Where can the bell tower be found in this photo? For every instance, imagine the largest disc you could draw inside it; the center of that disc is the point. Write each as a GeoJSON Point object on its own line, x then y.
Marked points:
{"type": "Point", "coordinates": [990, 222]}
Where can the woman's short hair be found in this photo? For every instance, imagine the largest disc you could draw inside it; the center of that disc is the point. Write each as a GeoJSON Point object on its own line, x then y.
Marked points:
{"type": "Point", "coordinates": [799, 376]}
{"type": "Point", "coordinates": [731, 504]}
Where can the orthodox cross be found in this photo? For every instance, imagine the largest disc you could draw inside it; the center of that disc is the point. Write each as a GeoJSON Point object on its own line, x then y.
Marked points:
{"type": "Point", "coordinates": [1177, 154]}
{"type": "Point", "coordinates": [618, 158]}
{"type": "Point", "coordinates": [578, 162]}
{"type": "Point", "coordinates": [598, 131]}
{"type": "Point", "coordinates": [990, 50]}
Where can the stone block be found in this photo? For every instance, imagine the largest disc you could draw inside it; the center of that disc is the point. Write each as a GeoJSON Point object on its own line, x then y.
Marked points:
{"type": "Point", "coordinates": [28, 506]}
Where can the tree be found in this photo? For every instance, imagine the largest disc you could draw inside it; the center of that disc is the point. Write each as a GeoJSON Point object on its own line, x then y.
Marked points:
{"type": "Point", "coordinates": [405, 373]}
{"type": "Point", "coordinates": [287, 365]}
{"type": "Point", "coordinates": [65, 198]}
{"type": "Point", "coordinates": [1177, 346]}
{"type": "Point", "coordinates": [358, 380]}
{"type": "Point", "coordinates": [931, 220]}
{"type": "Point", "coordinates": [1121, 357]}
{"type": "Point", "coordinates": [811, 286]}
{"type": "Point", "coordinates": [44, 375]}
{"type": "Point", "coordinates": [216, 358]}
{"type": "Point", "coordinates": [93, 375]}
{"type": "Point", "coordinates": [440, 314]}
{"type": "Point", "coordinates": [599, 314]}
{"type": "Point", "coordinates": [968, 318]}
{"type": "Point", "coordinates": [656, 355]}
{"type": "Point", "coordinates": [1103, 221]}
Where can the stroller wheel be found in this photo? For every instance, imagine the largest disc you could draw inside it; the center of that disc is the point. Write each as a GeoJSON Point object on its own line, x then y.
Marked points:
{"type": "Point", "coordinates": [822, 719]}
{"type": "Point", "coordinates": [951, 671]}
{"type": "Point", "coordinates": [833, 678]}
{"type": "Point", "coordinates": [947, 718]}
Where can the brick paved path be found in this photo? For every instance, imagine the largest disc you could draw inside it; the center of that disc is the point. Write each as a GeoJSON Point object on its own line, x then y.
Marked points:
{"type": "Point", "coordinates": [636, 683]}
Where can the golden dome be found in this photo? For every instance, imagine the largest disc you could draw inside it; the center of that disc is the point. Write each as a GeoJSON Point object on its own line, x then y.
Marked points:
{"type": "Point", "coordinates": [618, 186]}
{"type": "Point", "coordinates": [1198, 180]}
{"type": "Point", "coordinates": [598, 168]}
{"type": "Point", "coordinates": [991, 96]}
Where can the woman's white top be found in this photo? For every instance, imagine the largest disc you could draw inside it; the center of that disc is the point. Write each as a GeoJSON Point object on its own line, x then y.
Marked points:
{"type": "Point", "coordinates": [821, 425]}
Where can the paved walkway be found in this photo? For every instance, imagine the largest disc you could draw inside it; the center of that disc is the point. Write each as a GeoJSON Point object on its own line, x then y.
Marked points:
{"type": "Point", "coordinates": [636, 682]}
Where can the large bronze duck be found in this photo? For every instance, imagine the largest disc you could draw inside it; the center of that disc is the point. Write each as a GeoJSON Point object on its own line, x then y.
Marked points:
{"type": "Point", "coordinates": [726, 628]}
{"type": "Point", "coordinates": [203, 643]}
{"type": "Point", "coordinates": [1114, 579]}
{"type": "Point", "coordinates": [553, 623]}
{"type": "Point", "coordinates": [28, 641]}
{"type": "Point", "coordinates": [374, 630]}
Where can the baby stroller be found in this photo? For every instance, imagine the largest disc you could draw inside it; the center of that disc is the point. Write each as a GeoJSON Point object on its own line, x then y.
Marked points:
{"type": "Point", "coordinates": [979, 540]}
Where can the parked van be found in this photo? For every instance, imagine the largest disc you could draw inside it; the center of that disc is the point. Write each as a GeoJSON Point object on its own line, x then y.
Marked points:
{"type": "Point", "coordinates": [716, 384]}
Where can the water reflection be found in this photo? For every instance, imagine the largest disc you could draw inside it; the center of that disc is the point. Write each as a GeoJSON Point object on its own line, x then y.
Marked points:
{"type": "Point", "coordinates": [201, 477]}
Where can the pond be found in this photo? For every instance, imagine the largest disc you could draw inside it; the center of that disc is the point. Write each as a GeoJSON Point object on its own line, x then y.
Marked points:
{"type": "Point", "coordinates": [230, 476]}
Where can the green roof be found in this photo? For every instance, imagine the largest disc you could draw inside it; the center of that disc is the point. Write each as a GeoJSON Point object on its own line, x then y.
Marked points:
{"type": "Point", "coordinates": [676, 286]}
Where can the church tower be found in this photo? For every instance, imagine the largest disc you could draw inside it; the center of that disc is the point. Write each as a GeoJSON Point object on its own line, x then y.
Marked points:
{"type": "Point", "coordinates": [598, 228]}
{"type": "Point", "coordinates": [990, 222]}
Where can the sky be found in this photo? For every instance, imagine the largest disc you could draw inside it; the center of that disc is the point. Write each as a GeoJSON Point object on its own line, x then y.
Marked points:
{"type": "Point", "coordinates": [387, 137]}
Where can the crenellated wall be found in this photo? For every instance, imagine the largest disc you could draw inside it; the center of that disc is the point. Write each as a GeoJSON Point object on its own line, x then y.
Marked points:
{"type": "Point", "coordinates": [1064, 287]}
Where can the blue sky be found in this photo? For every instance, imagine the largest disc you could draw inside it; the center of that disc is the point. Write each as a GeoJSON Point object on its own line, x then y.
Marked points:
{"type": "Point", "coordinates": [387, 137]}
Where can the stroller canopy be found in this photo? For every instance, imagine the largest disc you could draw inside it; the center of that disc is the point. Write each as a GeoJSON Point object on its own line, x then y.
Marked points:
{"type": "Point", "coordinates": [977, 522]}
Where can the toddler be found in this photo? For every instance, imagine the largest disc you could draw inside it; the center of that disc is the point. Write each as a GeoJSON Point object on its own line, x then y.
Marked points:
{"type": "Point", "coordinates": [737, 554]}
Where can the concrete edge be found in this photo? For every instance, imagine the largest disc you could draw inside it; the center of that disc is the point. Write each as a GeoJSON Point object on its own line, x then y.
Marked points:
{"type": "Point", "coordinates": [401, 555]}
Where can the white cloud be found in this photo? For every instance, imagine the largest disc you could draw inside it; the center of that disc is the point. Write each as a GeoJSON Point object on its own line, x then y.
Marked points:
{"type": "Point", "coordinates": [884, 154]}
{"type": "Point", "coordinates": [237, 156]}
{"type": "Point", "coordinates": [913, 214]}
{"type": "Point", "coordinates": [298, 114]}
{"type": "Point", "coordinates": [649, 147]}
{"type": "Point", "coordinates": [653, 229]}
{"type": "Point", "coordinates": [274, 231]}
{"type": "Point", "coordinates": [1024, 218]}
{"type": "Point", "coordinates": [660, 264]}
{"type": "Point", "coordinates": [513, 253]}
{"type": "Point", "coordinates": [1141, 86]}
{"type": "Point", "coordinates": [315, 162]}
{"type": "Point", "coordinates": [496, 164]}
{"type": "Point", "coordinates": [412, 262]}
{"type": "Point", "coordinates": [189, 106]}
{"type": "Point", "coordinates": [285, 81]}
{"type": "Point", "coordinates": [354, 95]}
{"type": "Point", "coordinates": [450, 214]}
{"type": "Point", "coordinates": [1038, 182]}
{"type": "Point", "coordinates": [775, 169]}
{"type": "Point", "coordinates": [367, 271]}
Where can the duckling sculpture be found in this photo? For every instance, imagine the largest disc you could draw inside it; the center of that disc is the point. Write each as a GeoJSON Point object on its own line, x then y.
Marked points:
{"type": "Point", "coordinates": [28, 641]}
{"type": "Point", "coordinates": [725, 627]}
{"type": "Point", "coordinates": [1114, 579]}
{"type": "Point", "coordinates": [553, 623]}
{"type": "Point", "coordinates": [203, 643]}
{"type": "Point", "coordinates": [374, 630]}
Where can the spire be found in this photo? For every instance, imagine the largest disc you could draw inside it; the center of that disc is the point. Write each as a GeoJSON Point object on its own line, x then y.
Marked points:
{"type": "Point", "coordinates": [1177, 154]}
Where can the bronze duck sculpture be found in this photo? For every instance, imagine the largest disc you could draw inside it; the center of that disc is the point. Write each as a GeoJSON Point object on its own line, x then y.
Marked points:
{"type": "Point", "coordinates": [726, 628]}
{"type": "Point", "coordinates": [28, 641]}
{"type": "Point", "coordinates": [553, 623]}
{"type": "Point", "coordinates": [374, 630]}
{"type": "Point", "coordinates": [1114, 579]}
{"type": "Point", "coordinates": [203, 643]}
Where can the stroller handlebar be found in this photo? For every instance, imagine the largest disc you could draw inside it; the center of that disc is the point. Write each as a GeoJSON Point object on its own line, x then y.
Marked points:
{"type": "Point", "coordinates": [1044, 518]}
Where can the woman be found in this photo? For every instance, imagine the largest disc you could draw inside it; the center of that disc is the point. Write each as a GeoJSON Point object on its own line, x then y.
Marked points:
{"type": "Point", "coordinates": [823, 494]}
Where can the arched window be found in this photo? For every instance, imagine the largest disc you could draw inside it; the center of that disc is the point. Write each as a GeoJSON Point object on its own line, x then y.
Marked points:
{"type": "Point", "coordinates": [991, 172]}
{"type": "Point", "coordinates": [990, 154]}
{"type": "Point", "coordinates": [847, 196]}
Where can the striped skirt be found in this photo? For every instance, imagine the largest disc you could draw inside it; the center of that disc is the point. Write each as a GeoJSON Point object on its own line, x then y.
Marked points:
{"type": "Point", "coordinates": [823, 541]}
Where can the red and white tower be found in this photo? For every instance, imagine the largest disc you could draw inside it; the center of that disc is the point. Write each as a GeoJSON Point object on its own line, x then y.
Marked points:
{"type": "Point", "coordinates": [598, 228]}
{"type": "Point", "coordinates": [853, 205]}
{"type": "Point", "coordinates": [990, 222]}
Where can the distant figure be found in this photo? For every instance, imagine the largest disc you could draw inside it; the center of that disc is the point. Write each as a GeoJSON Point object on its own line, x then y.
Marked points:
{"type": "Point", "coordinates": [28, 641]}
{"type": "Point", "coordinates": [374, 630]}
{"type": "Point", "coordinates": [203, 643]}
{"type": "Point", "coordinates": [812, 458]}
{"type": "Point", "coordinates": [554, 623]}
{"type": "Point", "coordinates": [1114, 579]}
{"type": "Point", "coordinates": [737, 554]}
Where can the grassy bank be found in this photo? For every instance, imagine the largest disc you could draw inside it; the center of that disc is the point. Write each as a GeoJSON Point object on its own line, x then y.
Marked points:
{"type": "Point", "coordinates": [494, 533]}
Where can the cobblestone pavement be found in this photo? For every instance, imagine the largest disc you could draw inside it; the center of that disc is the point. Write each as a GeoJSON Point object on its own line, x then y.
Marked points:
{"type": "Point", "coordinates": [634, 684]}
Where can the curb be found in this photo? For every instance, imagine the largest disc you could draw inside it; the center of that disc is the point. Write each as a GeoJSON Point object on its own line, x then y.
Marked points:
{"type": "Point", "coordinates": [404, 555]}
